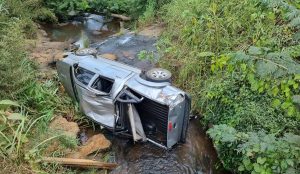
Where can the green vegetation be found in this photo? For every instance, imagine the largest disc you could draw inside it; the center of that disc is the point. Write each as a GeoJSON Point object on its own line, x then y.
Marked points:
{"type": "Point", "coordinates": [133, 8]}
{"type": "Point", "coordinates": [24, 124]}
{"type": "Point", "coordinates": [240, 62]}
{"type": "Point", "coordinates": [24, 132]}
{"type": "Point", "coordinates": [238, 59]}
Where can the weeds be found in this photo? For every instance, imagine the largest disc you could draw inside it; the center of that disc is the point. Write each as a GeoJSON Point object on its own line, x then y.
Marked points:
{"type": "Point", "coordinates": [24, 124]}
{"type": "Point", "coordinates": [148, 16]}
{"type": "Point", "coordinates": [239, 60]}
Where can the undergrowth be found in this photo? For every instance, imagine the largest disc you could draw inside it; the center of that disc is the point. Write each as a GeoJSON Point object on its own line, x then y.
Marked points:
{"type": "Point", "coordinates": [240, 62]}
{"type": "Point", "coordinates": [28, 102]}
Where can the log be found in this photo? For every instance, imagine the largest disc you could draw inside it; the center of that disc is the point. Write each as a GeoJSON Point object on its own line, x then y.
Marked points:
{"type": "Point", "coordinates": [122, 17]}
{"type": "Point", "coordinates": [82, 163]}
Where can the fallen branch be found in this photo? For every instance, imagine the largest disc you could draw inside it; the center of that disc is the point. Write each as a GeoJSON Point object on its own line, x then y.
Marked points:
{"type": "Point", "coordinates": [124, 18]}
{"type": "Point", "coordinates": [83, 163]}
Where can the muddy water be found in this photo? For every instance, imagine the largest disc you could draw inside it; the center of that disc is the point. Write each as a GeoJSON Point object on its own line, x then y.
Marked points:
{"type": "Point", "coordinates": [197, 155]}
{"type": "Point", "coordinates": [95, 27]}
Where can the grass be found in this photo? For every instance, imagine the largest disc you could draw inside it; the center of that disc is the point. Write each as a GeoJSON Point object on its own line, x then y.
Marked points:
{"type": "Point", "coordinates": [24, 133]}
{"type": "Point", "coordinates": [148, 17]}
{"type": "Point", "coordinates": [234, 60]}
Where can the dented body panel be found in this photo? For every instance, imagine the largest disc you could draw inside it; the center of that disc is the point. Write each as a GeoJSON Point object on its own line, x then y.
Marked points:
{"type": "Point", "coordinates": [106, 90]}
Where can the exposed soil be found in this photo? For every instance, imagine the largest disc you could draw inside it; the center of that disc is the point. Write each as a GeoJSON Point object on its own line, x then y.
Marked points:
{"type": "Point", "coordinates": [46, 52]}
{"type": "Point", "coordinates": [152, 30]}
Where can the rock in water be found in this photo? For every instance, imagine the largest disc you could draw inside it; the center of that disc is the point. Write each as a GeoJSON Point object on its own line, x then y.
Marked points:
{"type": "Point", "coordinates": [108, 56]}
{"type": "Point", "coordinates": [96, 32]}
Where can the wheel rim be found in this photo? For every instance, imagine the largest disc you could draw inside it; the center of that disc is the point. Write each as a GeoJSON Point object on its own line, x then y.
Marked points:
{"type": "Point", "coordinates": [86, 51]}
{"type": "Point", "coordinates": [158, 74]}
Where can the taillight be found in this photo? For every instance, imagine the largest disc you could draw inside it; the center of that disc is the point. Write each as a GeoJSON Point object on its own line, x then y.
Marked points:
{"type": "Point", "coordinates": [170, 126]}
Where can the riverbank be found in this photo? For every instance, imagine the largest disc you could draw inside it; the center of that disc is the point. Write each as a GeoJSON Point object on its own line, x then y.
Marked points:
{"type": "Point", "coordinates": [197, 155]}
{"type": "Point", "coordinates": [242, 72]}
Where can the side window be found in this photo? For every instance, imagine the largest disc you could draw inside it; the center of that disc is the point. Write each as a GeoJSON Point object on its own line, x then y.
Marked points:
{"type": "Point", "coordinates": [83, 75]}
{"type": "Point", "coordinates": [103, 84]}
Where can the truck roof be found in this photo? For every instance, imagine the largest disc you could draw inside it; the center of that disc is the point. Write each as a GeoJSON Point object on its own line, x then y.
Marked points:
{"type": "Point", "coordinates": [106, 67]}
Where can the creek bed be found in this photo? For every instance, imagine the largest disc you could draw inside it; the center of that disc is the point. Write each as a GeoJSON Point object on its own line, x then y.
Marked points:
{"type": "Point", "coordinates": [197, 155]}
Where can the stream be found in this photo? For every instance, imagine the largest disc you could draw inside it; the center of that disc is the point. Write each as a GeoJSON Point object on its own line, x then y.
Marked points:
{"type": "Point", "coordinates": [196, 156]}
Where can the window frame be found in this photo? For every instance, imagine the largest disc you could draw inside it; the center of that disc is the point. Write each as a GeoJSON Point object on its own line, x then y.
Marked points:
{"type": "Point", "coordinates": [105, 78]}
{"type": "Point", "coordinates": [90, 72]}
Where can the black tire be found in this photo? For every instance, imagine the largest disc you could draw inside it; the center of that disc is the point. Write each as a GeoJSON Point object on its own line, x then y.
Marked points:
{"type": "Point", "coordinates": [158, 75]}
{"type": "Point", "coordinates": [186, 119]}
{"type": "Point", "coordinates": [86, 51]}
{"type": "Point", "coordinates": [184, 131]}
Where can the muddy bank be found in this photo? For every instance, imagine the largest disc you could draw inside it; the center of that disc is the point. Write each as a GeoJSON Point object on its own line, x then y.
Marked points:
{"type": "Point", "coordinates": [45, 52]}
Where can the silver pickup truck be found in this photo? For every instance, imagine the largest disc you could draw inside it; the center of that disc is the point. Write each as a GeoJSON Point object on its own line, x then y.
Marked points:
{"type": "Point", "coordinates": [125, 100]}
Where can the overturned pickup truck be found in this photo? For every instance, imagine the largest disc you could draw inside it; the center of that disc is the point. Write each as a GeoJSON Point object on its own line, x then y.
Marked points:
{"type": "Point", "coordinates": [125, 100]}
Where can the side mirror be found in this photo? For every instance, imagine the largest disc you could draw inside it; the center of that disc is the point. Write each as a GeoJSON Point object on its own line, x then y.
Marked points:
{"type": "Point", "coordinates": [75, 65]}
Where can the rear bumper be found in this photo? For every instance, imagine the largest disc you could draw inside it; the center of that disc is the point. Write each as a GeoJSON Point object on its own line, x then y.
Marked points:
{"type": "Point", "coordinates": [170, 121]}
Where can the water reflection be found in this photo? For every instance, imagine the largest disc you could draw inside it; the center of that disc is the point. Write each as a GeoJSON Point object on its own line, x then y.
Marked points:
{"type": "Point", "coordinates": [95, 27]}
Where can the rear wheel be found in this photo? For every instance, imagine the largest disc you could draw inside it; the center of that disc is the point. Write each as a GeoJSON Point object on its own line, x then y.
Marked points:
{"type": "Point", "coordinates": [158, 75]}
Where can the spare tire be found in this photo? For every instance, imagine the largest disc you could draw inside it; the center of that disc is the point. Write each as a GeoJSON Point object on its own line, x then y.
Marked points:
{"type": "Point", "coordinates": [158, 75]}
{"type": "Point", "coordinates": [86, 51]}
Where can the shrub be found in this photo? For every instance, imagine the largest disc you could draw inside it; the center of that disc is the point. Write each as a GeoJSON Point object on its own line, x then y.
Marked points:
{"type": "Point", "coordinates": [15, 70]}
{"type": "Point", "coordinates": [133, 8]}
{"type": "Point", "coordinates": [258, 152]}
{"type": "Point", "coordinates": [64, 9]}
{"type": "Point", "coordinates": [240, 62]}
{"type": "Point", "coordinates": [148, 16]}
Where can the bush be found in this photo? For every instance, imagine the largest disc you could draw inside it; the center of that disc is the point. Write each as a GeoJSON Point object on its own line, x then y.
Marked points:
{"type": "Point", "coordinates": [253, 94]}
{"type": "Point", "coordinates": [261, 152]}
{"type": "Point", "coordinates": [64, 9]}
{"type": "Point", "coordinates": [15, 70]}
{"type": "Point", "coordinates": [148, 16]}
{"type": "Point", "coordinates": [240, 62]}
{"type": "Point", "coordinates": [38, 102]}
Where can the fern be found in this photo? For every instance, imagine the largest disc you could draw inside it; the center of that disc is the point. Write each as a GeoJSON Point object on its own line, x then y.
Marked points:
{"type": "Point", "coordinates": [276, 64]}
{"type": "Point", "coordinates": [295, 22]}
{"type": "Point", "coordinates": [293, 14]}
{"type": "Point", "coordinates": [265, 68]}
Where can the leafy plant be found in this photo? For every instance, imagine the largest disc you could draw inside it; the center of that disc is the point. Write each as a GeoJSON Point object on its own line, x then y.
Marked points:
{"type": "Point", "coordinates": [146, 55]}
{"type": "Point", "coordinates": [14, 129]}
{"type": "Point", "coordinates": [258, 152]}
{"type": "Point", "coordinates": [68, 7]}
{"type": "Point", "coordinates": [242, 72]}
{"type": "Point", "coordinates": [148, 16]}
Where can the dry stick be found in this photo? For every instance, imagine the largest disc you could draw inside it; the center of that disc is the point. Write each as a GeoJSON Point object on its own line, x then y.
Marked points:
{"type": "Point", "coordinates": [124, 18]}
{"type": "Point", "coordinates": [83, 163]}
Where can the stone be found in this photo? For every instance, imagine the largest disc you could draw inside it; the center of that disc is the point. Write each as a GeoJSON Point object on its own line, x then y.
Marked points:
{"type": "Point", "coordinates": [128, 54]}
{"type": "Point", "coordinates": [96, 32]}
{"type": "Point", "coordinates": [63, 24]}
{"type": "Point", "coordinates": [95, 143]}
{"type": "Point", "coordinates": [108, 56]}
{"type": "Point", "coordinates": [66, 127]}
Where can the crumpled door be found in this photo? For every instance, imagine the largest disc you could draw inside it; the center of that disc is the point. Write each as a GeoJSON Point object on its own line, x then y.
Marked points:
{"type": "Point", "coordinates": [95, 104]}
